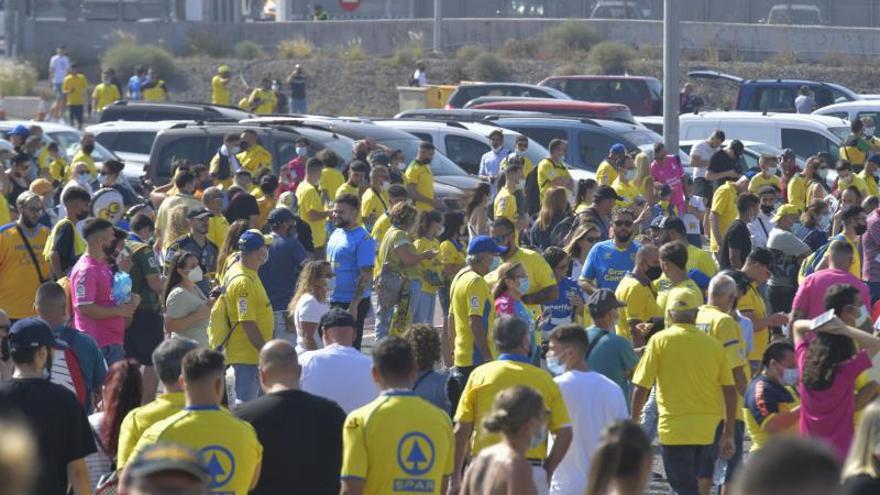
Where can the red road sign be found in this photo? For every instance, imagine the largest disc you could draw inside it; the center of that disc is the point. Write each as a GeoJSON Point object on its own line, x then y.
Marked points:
{"type": "Point", "coordinates": [350, 5]}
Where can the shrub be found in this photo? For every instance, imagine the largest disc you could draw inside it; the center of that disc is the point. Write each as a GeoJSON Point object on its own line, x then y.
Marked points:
{"type": "Point", "coordinates": [204, 41]}
{"type": "Point", "coordinates": [487, 67]}
{"type": "Point", "coordinates": [568, 69]}
{"type": "Point", "coordinates": [296, 48]}
{"type": "Point", "coordinates": [571, 36]}
{"type": "Point", "coordinates": [407, 54]}
{"type": "Point", "coordinates": [610, 57]}
{"type": "Point", "coordinates": [522, 48]}
{"type": "Point", "coordinates": [17, 78]}
{"type": "Point", "coordinates": [352, 51]}
{"type": "Point", "coordinates": [125, 56]}
{"type": "Point", "coordinates": [248, 50]}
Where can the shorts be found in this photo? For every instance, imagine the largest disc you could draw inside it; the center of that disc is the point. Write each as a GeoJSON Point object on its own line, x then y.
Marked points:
{"type": "Point", "coordinates": [707, 468]}
{"type": "Point", "coordinates": [146, 332]}
{"type": "Point", "coordinates": [58, 91]}
{"type": "Point", "coordinates": [76, 113]}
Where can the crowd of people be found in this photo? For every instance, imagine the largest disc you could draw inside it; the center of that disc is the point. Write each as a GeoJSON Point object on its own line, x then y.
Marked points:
{"type": "Point", "coordinates": [243, 329]}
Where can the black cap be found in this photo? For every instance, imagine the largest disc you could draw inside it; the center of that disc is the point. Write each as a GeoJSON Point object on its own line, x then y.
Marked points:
{"type": "Point", "coordinates": [737, 146]}
{"type": "Point", "coordinates": [380, 158]}
{"type": "Point", "coordinates": [337, 317]}
{"type": "Point", "coordinates": [280, 215]}
{"type": "Point", "coordinates": [673, 223]}
{"type": "Point", "coordinates": [30, 333]}
{"type": "Point", "coordinates": [199, 212]}
{"type": "Point", "coordinates": [606, 192]}
{"type": "Point", "coordinates": [603, 301]}
{"type": "Point", "coordinates": [164, 457]}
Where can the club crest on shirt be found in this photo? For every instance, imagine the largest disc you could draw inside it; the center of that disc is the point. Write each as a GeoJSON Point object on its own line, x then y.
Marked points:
{"type": "Point", "coordinates": [242, 305]}
{"type": "Point", "coordinates": [475, 302]}
{"type": "Point", "coordinates": [81, 289]}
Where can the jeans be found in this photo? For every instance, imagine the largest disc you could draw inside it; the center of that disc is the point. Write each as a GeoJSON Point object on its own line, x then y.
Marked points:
{"type": "Point", "coordinates": [298, 105]}
{"type": "Point", "coordinates": [443, 295]}
{"type": "Point", "coordinates": [708, 468]}
{"type": "Point", "coordinates": [423, 308]}
{"type": "Point", "coordinates": [874, 292]}
{"type": "Point", "coordinates": [113, 353]}
{"type": "Point", "coordinates": [682, 463]}
{"type": "Point", "coordinates": [247, 382]}
{"type": "Point", "coordinates": [363, 310]}
{"type": "Point", "coordinates": [539, 477]}
{"type": "Point", "coordinates": [650, 415]}
{"type": "Point", "coordinates": [284, 328]}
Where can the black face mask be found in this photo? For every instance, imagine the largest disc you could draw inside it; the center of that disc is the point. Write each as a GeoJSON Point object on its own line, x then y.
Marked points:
{"type": "Point", "coordinates": [82, 215]}
{"type": "Point", "coordinates": [362, 155]}
{"type": "Point", "coordinates": [861, 229]}
{"type": "Point", "coordinates": [243, 145]}
{"type": "Point", "coordinates": [767, 209]}
{"type": "Point", "coordinates": [654, 272]}
{"type": "Point", "coordinates": [88, 148]}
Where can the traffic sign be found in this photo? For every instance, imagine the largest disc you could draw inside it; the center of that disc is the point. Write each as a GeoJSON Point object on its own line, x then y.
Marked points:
{"type": "Point", "coordinates": [350, 5]}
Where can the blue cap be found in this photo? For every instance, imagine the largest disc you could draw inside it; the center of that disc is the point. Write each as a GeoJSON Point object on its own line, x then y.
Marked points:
{"type": "Point", "coordinates": [699, 278]}
{"type": "Point", "coordinates": [280, 215]}
{"type": "Point", "coordinates": [617, 148]}
{"type": "Point", "coordinates": [251, 240]}
{"type": "Point", "coordinates": [20, 130]}
{"type": "Point", "coordinates": [875, 158]}
{"type": "Point", "coordinates": [484, 244]}
{"type": "Point", "coordinates": [30, 333]}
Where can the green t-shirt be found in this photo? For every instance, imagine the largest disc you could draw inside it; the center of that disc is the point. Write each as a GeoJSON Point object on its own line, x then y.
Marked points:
{"type": "Point", "coordinates": [144, 263]}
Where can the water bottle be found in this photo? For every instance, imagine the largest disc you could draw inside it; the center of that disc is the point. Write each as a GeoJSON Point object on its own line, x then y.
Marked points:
{"type": "Point", "coordinates": [720, 472]}
{"type": "Point", "coordinates": [121, 291]}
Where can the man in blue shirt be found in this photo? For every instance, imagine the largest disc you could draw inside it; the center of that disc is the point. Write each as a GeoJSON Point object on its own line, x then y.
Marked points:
{"type": "Point", "coordinates": [609, 353]}
{"type": "Point", "coordinates": [351, 252]}
{"type": "Point", "coordinates": [570, 302]}
{"type": "Point", "coordinates": [490, 162]}
{"type": "Point", "coordinates": [135, 82]}
{"type": "Point", "coordinates": [608, 261]}
{"type": "Point", "coordinates": [281, 270]}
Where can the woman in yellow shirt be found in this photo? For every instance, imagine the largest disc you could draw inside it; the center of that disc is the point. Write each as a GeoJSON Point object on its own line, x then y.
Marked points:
{"type": "Point", "coordinates": [430, 225]}
{"type": "Point", "coordinates": [229, 250]}
{"type": "Point", "coordinates": [450, 257]}
{"type": "Point", "coordinates": [643, 180]}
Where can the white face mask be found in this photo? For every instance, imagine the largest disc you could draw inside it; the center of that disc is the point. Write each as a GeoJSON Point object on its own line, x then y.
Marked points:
{"type": "Point", "coordinates": [195, 275]}
{"type": "Point", "coordinates": [629, 174]}
{"type": "Point", "coordinates": [863, 316]}
{"type": "Point", "coordinates": [869, 131]}
{"type": "Point", "coordinates": [771, 171]}
{"type": "Point", "coordinates": [386, 186]}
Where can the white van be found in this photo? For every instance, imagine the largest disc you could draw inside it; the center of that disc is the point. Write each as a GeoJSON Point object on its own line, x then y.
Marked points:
{"type": "Point", "coordinates": [805, 134]}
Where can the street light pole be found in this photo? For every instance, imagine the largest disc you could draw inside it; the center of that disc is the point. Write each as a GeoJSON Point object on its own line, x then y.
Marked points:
{"type": "Point", "coordinates": [671, 57]}
{"type": "Point", "coordinates": [438, 26]}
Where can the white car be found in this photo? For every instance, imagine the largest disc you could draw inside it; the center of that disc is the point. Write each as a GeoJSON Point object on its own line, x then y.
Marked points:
{"type": "Point", "coordinates": [852, 110]}
{"type": "Point", "coordinates": [130, 141]}
{"type": "Point", "coordinates": [805, 134]}
{"type": "Point", "coordinates": [67, 138]}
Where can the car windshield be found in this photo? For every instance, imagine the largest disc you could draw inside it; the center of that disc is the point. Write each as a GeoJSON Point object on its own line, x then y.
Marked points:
{"type": "Point", "coordinates": [69, 142]}
{"type": "Point", "coordinates": [840, 132]}
{"type": "Point", "coordinates": [440, 165]}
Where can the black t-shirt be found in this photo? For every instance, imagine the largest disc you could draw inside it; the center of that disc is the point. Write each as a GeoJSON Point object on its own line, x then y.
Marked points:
{"type": "Point", "coordinates": [241, 207]}
{"type": "Point", "coordinates": [58, 423]}
{"type": "Point", "coordinates": [722, 162]}
{"type": "Point", "coordinates": [736, 237]}
{"type": "Point", "coordinates": [298, 87]}
{"type": "Point", "coordinates": [302, 442]}
{"type": "Point", "coordinates": [65, 247]}
{"type": "Point", "coordinates": [862, 484]}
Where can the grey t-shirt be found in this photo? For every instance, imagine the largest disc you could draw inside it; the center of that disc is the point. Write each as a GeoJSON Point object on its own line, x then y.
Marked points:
{"type": "Point", "coordinates": [181, 303]}
{"type": "Point", "coordinates": [805, 104]}
{"type": "Point", "coordinates": [784, 271]}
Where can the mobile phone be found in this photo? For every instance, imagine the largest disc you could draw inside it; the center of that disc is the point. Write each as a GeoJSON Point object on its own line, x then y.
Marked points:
{"type": "Point", "coordinates": [821, 319]}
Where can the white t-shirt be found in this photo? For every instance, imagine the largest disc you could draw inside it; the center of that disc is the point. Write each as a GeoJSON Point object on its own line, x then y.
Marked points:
{"type": "Point", "coordinates": [340, 374]}
{"type": "Point", "coordinates": [308, 310]}
{"type": "Point", "coordinates": [60, 64]}
{"type": "Point", "coordinates": [760, 229]}
{"type": "Point", "coordinates": [704, 151]}
{"type": "Point", "coordinates": [691, 223]}
{"type": "Point", "coordinates": [593, 403]}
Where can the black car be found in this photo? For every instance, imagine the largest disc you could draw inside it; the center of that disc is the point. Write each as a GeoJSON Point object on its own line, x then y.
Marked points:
{"type": "Point", "coordinates": [146, 111]}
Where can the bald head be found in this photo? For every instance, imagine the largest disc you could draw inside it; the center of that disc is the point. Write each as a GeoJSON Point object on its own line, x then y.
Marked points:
{"type": "Point", "coordinates": [279, 367]}
{"type": "Point", "coordinates": [647, 257]}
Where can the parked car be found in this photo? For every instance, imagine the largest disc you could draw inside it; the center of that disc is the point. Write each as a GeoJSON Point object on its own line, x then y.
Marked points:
{"type": "Point", "coordinates": [851, 110]}
{"type": "Point", "coordinates": [556, 107]}
{"type": "Point", "coordinates": [777, 95]}
{"type": "Point", "coordinates": [795, 14]}
{"type": "Point", "coordinates": [643, 95]}
{"type": "Point", "coordinates": [467, 92]}
{"type": "Point", "coordinates": [463, 142]}
{"type": "Point", "coordinates": [462, 114]}
{"type": "Point", "coordinates": [68, 141]}
{"type": "Point", "coordinates": [653, 122]}
{"type": "Point", "coordinates": [805, 134]}
{"type": "Point", "coordinates": [751, 155]}
{"type": "Point", "coordinates": [616, 9]}
{"type": "Point", "coordinates": [145, 111]}
{"type": "Point", "coordinates": [130, 141]}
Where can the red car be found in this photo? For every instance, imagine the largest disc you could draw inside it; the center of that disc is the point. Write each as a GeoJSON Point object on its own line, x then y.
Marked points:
{"type": "Point", "coordinates": [643, 95]}
{"type": "Point", "coordinates": [568, 108]}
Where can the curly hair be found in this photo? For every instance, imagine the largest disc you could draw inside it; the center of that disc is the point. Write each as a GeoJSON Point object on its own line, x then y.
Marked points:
{"type": "Point", "coordinates": [311, 274]}
{"type": "Point", "coordinates": [425, 344]}
{"type": "Point", "coordinates": [823, 356]}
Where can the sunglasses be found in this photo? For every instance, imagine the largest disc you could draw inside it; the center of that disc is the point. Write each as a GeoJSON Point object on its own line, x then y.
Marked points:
{"type": "Point", "coordinates": [623, 223]}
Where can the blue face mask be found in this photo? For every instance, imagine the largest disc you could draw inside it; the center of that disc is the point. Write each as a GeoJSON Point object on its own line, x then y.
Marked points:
{"type": "Point", "coordinates": [84, 178]}
{"type": "Point", "coordinates": [524, 285]}
{"type": "Point", "coordinates": [554, 365]}
{"type": "Point", "coordinates": [102, 178]}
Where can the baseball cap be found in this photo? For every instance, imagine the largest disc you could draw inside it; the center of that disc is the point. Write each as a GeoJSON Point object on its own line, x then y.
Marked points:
{"type": "Point", "coordinates": [617, 148]}
{"type": "Point", "coordinates": [484, 244]}
{"type": "Point", "coordinates": [875, 158]}
{"type": "Point", "coordinates": [164, 456]}
{"type": "Point", "coordinates": [683, 299]}
{"type": "Point", "coordinates": [606, 192]}
{"type": "Point", "coordinates": [20, 130]}
{"type": "Point", "coordinates": [30, 333]}
{"type": "Point", "coordinates": [337, 317]}
{"type": "Point", "coordinates": [380, 158]}
{"type": "Point", "coordinates": [673, 223]}
{"type": "Point", "coordinates": [199, 212]}
{"type": "Point", "coordinates": [223, 69]}
{"type": "Point", "coordinates": [784, 210]}
{"type": "Point", "coordinates": [602, 301]}
{"type": "Point", "coordinates": [251, 240]}
{"type": "Point", "coordinates": [786, 153]}
{"type": "Point", "coordinates": [280, 215]}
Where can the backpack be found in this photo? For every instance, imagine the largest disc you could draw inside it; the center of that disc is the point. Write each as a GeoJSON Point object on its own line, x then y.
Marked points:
{"type": "Point", "coordinates": [533, 193]}
{"type": "Point", "coordinates": [219, 326]}
{"type": "Point", "coordinates": [223, 169]}
{"type": "Point", "coordinates": [812, 262]}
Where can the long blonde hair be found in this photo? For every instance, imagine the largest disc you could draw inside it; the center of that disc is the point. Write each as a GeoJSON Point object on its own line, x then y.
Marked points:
{"type": "Point", "coordinates": [504, 273]}
{"type": "Point", "coordinates": [865, 448]}
{"type": "Point", "coordinates": [309, 279]}
{"type": "Point", "coordinates": [555, 201]}
{"type": "Point", "coordinates": [178, 225]}
{"type": "Point", "coordinates": [643, 169]}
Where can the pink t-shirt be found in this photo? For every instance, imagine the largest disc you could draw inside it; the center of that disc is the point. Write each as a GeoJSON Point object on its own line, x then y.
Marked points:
{"type": "Point", "coordinates": [92, 283]}
{"type": "Point", "coordinates": [810, 296]}
{"type": "Point", "coordinates": [670, 172]}
{"type": "Point", "coordinates": [828, 414]}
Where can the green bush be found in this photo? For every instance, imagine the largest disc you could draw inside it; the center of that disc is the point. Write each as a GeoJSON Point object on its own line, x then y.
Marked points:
{"type": "Point", "coordinates": [407, 54]}
{"type": "Point", "coordinates": [297, 48]}
{"type": "Point", "coordinates": [17, 78]}
{"type": "Point", "coordinates": [125, 56]}
{"type": "Point", "coordinates": [568, 69]}
{"type": "Point", "coordinates": [204, 41]}
{"type": "Point", "coordinates": [352, 52]}
{"type": "Point", "coordinates": [487, 67]}
{"type": "Point", "coordinates": [248, 50]}
{"type": "Point", "coordinates": [571, 36]}
{"type": "Point", "coordinates": [522, 48]}
{"type": "Point", "coordinates": [610, 57]}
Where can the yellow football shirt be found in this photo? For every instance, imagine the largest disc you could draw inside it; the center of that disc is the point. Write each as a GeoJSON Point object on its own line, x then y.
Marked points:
{"type": "Point", "coordinates": [379, 229]}
{"type": "Point", "coordinates": [157, 92]}
{"type": "Point", "coordinates": [255, 159]}
{"type": "Point", "coordinates": [870, 182]}
{"type": "Point", "coordinates": [797, 191]}
{"type": "Point", "coordinates": [537, 270]}
{"type": "Point", "coordinates": [422, 177]}
{"type": "Point", "coordinates": [469, 295]}
{"type": "Point", "coordinates": [726, 330]}
{"type": "Point", "coordinates": [752, 301]}
{"type": "Point", "coordinates": [220, 91]}
{"type": "Point", "coordinates": [373, 205]}
{"type": "Point", "coordinates": [347, 188]}
{"type": "Point", "coordinates": [309, 200]}
{"type": "Point", "coordinates": [331, 179]}
{"type": "Point", "coordinates": [505, 205]}
{"type": "Point", "coordinates": [723, 205]}
{"type": "Point", "coordinates": [398, 443]}
{"type": "Point", "coordinates": [448, 254]}
{"type": "Point", "coordinates": [218, 227]}
{"type": "Point", "coordinates": [491, 378]}
{"type": "Point", "coordinates": [246, 301]}
{"type": "Point", "coordinates": [756, 431]}
{"type": "Point", "coordinates": [627, 190]}
{"type": "Point", "coordinates": [427, 267]}
{"type": "Point", "coordinates": [640, 303]}
{"type": "Point", "coordinates": [267, 101]}
{"type": "Point", "coordinates": [5, 215]}
{"type": "Point", "coordinates": [760, 180]}
{"type": "Point", "coordinates": [701, 260]}
{"type": "Point", "coordinates": [75, 87]}
{"type": "Point", "coordinates": [689, 369]}
{"type": "Point", "coordinates": [79, 244]}
{"type": "Point", "coordinates": [80, 156]}
{"type": "Point", "coordinates": [606, 174]}
{"type": "Point", "coordinates": [104, 95]}
{"type": "Point", "coordinates": [19, 279]}
{"type": "Point", "coordinates": [139, 419]}
{"type": "Point", "coordinates": [856, 181]}
{"type": "Point", "coordinates": [548, 171]}
{"type": "Point", "coordinates": [228, 446]}
{"type": "Point", "coordinates": [58, 168]}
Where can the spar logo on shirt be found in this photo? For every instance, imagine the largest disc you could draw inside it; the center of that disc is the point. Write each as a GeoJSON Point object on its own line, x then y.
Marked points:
{"type": "Point", "coordinates": [415, 457]}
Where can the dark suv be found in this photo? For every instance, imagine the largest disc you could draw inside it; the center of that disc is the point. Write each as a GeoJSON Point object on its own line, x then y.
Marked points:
{"type": "Point", "coordinates": [467, 92]}
{"type": "Point", "coordinates": [643, 95]}
{"type": "Point", "coordinates": [199, 142]}
{"type": "Point", "coordinates": [145, 111]}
